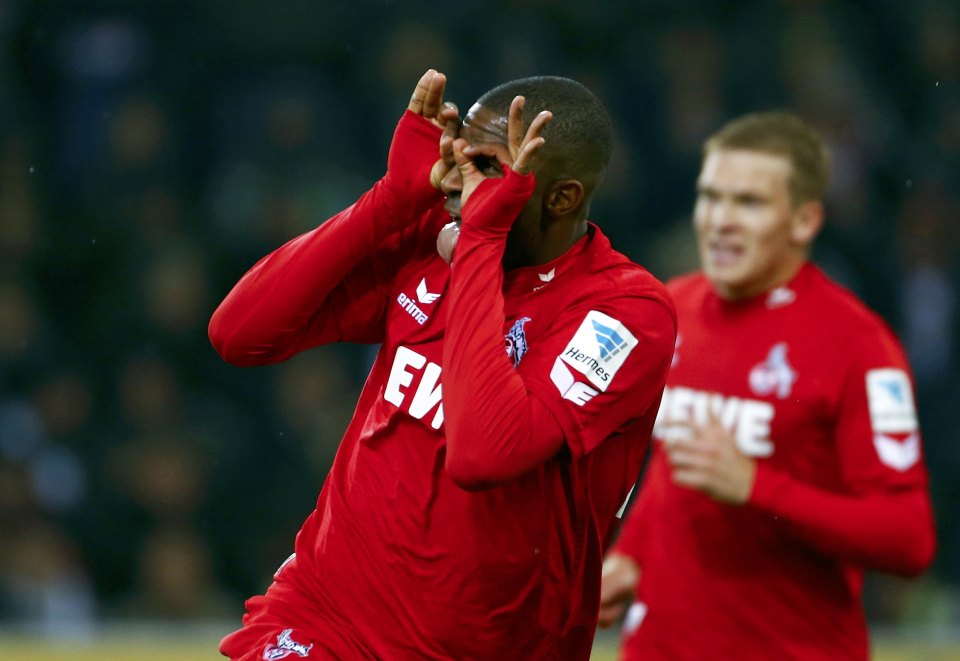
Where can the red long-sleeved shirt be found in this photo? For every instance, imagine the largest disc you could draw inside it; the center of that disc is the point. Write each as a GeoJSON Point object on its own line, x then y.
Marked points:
{"type": "Point", "coordinates": [818, 390]}
{"type": "Point", "coordinates": [469, 503]}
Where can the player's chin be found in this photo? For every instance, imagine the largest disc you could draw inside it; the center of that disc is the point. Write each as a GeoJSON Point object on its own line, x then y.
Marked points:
{"type": "Point", "coordinates": [447, 240]}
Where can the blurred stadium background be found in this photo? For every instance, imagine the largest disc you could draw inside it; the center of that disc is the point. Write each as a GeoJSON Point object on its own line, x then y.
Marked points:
{"type": "Point", "coordinates": [151, 150]}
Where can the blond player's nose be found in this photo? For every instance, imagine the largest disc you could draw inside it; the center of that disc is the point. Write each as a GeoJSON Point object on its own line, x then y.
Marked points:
{"type": "Point", "coordinates": [720, 215]}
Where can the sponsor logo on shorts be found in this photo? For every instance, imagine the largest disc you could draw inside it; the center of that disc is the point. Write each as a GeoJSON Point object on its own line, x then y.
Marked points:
{"type": "Point", "coordinates": [285, 647]}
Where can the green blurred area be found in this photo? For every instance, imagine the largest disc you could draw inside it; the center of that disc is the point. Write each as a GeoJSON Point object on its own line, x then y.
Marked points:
{"type": "Point", "coordinates": [194, 647]}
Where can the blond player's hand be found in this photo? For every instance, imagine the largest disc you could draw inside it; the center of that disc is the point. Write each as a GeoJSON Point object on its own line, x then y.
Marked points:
{"type": "Point", "coordinates": [618, 585]}
{"type": "Point", "coordinates": [706, 457]}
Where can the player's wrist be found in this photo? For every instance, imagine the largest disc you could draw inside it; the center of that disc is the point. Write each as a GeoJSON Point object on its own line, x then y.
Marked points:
{"type": "Point", "coordinates": [496, 203]}
{"type": "Point", "coordinates": [413, 153]}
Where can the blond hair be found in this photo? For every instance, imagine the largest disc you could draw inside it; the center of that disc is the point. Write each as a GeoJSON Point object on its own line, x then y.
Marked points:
{"type": "Point", "coordinates": [781, 134]}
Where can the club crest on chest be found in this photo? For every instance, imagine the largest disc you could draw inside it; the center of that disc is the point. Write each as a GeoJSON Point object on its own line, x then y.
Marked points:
{"type": "Point", "coordinates": [516, 341]}
{"type": "Point", "coordinates": [775, 375]}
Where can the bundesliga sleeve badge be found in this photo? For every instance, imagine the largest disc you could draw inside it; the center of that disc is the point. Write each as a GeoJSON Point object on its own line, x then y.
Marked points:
{"type": "Point", "coordinates": [893, 417]}
{"type": "Point", "coordinates": [599, 348]}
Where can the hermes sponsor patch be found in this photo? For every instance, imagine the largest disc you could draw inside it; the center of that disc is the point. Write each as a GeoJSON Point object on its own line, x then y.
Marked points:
{"type": "Point", "coordinates": [599, 348]}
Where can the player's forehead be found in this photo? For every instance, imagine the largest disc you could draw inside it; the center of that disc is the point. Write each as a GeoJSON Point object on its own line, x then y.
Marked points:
{"type": "Point", "coordinates": [743, 170]}
{"type": "Point", "coordinates": [483, 124]}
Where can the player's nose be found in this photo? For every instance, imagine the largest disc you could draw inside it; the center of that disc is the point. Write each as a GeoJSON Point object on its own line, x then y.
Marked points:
{"type": "Point", "coordinates": [721, 216]}
{"type": "Point", "coordinates": [452, 182]}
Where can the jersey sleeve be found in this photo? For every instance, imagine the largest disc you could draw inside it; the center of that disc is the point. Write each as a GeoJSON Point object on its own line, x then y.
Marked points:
{"type": "Point", "coordinates": [878, 436]}
{"type": "Point", "coordinates": [329, 284]}
{"type": "Point", "coordinates": [600, 368]}
{"type": "Point", "coordinates": [884, 520]}
{"type": "Point", "coordinates": [634, 533]}
{"type": "Point", "coordinates": [502, 421]}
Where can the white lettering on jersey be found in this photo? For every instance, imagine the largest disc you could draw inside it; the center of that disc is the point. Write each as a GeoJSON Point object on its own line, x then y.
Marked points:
{"type": "Point", "coordinates": [428, 394]}
{"type": "Point", "coordinates": [890, 399]}
{"type": "Point", "coordinates": [577, 392]}
{"type": "Point", "coordinates": [898, 455]}
{"type": "Point", "coordinates": [748, 419]}
{"type": "Point", "coordinates": [599, 348]}
{"type": "Point", "coordinates": [410, 307]}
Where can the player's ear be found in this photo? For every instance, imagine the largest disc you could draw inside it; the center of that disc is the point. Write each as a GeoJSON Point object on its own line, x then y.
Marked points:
{"type": "Point", "coordinates": [563, 197]}
{"type": "Point", "coordinates": [807, 222]}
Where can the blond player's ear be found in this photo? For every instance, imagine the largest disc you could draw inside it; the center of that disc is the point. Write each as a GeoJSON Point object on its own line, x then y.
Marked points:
{"type": "Point", "coordinates": [807, 222]}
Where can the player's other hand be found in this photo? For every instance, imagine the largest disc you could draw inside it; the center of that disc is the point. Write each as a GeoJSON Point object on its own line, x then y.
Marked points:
{"type": "Point", "coordinates": [427, 101]}
{"type": "Point", "coordinates": [706, 457]}
{"type": "Point", "coordinates": [618, 584]}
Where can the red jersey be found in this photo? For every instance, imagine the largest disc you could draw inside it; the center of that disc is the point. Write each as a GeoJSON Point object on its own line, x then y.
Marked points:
{"type": "Point", "coordinates": [501, 427]}
{"type": "Point", "coordinates": [817, 389]}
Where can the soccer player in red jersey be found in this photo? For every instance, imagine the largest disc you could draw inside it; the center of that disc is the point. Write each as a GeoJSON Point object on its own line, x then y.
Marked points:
{"type": "Point", "coordinates": [788, 458]}
{"type": "Point", "coordinates": [510, 406]}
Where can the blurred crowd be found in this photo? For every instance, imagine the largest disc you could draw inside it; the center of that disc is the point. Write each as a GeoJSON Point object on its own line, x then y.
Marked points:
{"type": "Point", "coordinates": [151, 151]}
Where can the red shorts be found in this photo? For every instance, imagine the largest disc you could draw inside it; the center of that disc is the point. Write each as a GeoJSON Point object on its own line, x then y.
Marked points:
{"type": "Point", "coordinates": [282, 624]}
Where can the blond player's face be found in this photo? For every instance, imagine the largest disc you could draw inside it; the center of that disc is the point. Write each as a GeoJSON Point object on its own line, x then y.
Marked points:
{"type": "Point", "coordinates": [746, 226]}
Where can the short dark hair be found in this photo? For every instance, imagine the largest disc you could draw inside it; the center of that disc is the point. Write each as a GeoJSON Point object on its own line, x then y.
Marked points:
{"type": "Point", "coordinates": [579, 138]}
{"type": "Point", "coordinates": [783, 134]}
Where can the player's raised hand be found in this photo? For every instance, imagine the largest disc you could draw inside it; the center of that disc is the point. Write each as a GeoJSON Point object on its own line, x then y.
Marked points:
{"type": "Point", "coordinates": [427, 101]}
{"type": "Point", "coordinates": [618, 584]}
{"type": "Point", "coordinates": [487, 159]}
{"type": "Point", "coordinates": [427, 97]}
{"type": "Point", "coordinates": [706, 458]}
{"type": "Point", "coordinates": [523, 147]}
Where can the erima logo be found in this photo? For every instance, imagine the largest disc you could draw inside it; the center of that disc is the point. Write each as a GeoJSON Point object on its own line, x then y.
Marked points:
{"type": "Point", "coordinates": [285, 647]}
{"type": "Point", "coordinates": [748, 419]}
{"type": "Point", "coordinates": [545, 278]}
{"type": "Point", "coordinates": [423, 295]}
{"type": "Point", "coordinates": [599, 348]}
{"type": "Point", "coordinates": [780, 297]}
{"type": "Point", "coordinates": [410, 307]}
{"type": "Point", "coordinates": [774, 374]}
